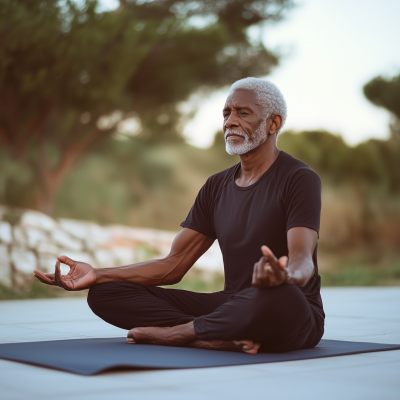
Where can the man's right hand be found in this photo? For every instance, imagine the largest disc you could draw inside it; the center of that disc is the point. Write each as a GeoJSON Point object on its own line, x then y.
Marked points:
{"type": "Point", "coordinates": [80, 276]}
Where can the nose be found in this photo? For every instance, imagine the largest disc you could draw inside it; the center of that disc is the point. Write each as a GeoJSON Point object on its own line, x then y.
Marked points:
{"type": "Point", "coordinates": [231, 121]}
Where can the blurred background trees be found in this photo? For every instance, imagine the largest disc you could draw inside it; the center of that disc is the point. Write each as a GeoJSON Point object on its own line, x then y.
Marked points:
{"type": "Point", "coordinates": [91, 121]}
{"type": "Point", "coordinates": [385, 92]}
{"type": "Point", "coordinates": [70, 74]}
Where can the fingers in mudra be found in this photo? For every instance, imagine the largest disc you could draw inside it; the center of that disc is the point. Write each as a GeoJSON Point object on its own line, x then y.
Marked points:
{"type": "Point", "coordinates": [45, 278]}
{"type": "Point", "coordinates": [80, 276]}
{"type": "Point", "coordinates": [269, 271]}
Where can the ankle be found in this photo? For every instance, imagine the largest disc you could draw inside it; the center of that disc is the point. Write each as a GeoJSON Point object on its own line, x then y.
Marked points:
{"type": "Point", "coordinates": [184, 333]}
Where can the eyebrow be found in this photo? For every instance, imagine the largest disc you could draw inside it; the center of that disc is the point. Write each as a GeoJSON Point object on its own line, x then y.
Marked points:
{"type": "Point", "coordinates": [238, 108]}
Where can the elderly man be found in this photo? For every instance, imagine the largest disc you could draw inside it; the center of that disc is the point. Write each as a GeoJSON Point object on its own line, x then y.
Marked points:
{"type": "Point", "coordinates": [269, 204]}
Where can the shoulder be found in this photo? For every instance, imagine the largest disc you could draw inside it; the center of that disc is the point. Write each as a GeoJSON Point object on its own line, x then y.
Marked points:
{"type": "Point", "coordinates": [295, 178]}
{"type": "Point", "coordinates": [217, 181]}
{"type": "Point", "coordinates": [291, 169]}
{"type": "Point", "coordinates": [215, 184]}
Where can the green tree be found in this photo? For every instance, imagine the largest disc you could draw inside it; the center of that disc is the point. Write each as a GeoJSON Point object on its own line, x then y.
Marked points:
{"type": "Point", "coordinates": [372, 163]}
{"type": "Point", "coordinates": [69, 74]}
{"type": "Point", "coordinates": [385, 92]}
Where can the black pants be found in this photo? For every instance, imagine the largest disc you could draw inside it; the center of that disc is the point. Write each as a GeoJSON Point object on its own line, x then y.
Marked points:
{"type": "Point", "coordinates": [280, 318]}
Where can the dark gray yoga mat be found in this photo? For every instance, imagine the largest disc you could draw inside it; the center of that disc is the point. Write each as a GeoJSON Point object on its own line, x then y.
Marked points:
{"type": "Point", "coordinates": [92, 356]}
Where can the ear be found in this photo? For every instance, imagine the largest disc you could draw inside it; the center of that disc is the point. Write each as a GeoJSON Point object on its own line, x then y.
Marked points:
{"type": "Point", "coordinates": [276, 123]}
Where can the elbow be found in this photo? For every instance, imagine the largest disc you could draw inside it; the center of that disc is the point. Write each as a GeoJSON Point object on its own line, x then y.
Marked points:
{"type": "Point", "coordinates": [174, 282]}
{"type": "Point", "coordinates": [171, 279]}
{"type": "Point", "coordinates": [174, 270]}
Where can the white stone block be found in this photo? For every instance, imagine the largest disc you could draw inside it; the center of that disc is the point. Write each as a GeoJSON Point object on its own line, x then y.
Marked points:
{"type": "Point", "coordinates": [23, 260]}
{"type": "Point", "coordinates": [19, 237]}
{"type": "Point", "coordinates": [48, 248]}
{"type": "Point", "coordinates": [143, 252]}
{"type": "Point", "coordinates": [123, 255]}
{"type": "Point", "coordinates": [91, 234]}
{"type": "Point", "coordinates": [99, 236]}
{"type": "Point", "coordinates": [79, 256]}
{"type": "Point", "coordinates": [39, 220]}
{"type": "Point", "coordinates": [160, 241]}
{"type": "Point", "coordinates": [78, 229]}
{"type": "Point", "coordinates": [212, 259]}
{"type": "Point", "coordinates": [65, 241]}
{"type": "Point", "coordinates": [104, 258]}
{"type": "Point", "coordinates": [5, 232]}
{"type": "Point", "coordinates": [47, 263]}
{"type": "Point", "coordinates": [35, 237]}
{"type": "Point", "coordinates": [5, 270]}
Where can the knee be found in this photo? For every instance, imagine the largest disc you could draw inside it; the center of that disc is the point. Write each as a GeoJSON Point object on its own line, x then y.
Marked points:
{"type": "Point", "coordinates": [98, 295]}
{"type": "Point", "coordinates": [104, 297]}
{"type": "Point", "coordinates": [284, 295]}
{"type": "Point", "coordinates": [278, 303]}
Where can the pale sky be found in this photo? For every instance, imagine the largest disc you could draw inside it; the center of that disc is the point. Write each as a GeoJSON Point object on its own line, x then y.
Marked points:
{"type": "Point", "coordinates": [332, 47]}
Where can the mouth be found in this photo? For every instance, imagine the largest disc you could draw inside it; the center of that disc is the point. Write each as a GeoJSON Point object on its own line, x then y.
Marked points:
{"type": "Point", "coordinates": [233, 135]}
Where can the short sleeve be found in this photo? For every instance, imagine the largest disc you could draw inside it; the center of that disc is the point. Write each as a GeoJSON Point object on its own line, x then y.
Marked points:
{"type": "Point", "coordinates": [303, 200]}
{"type": "Point", "coordinates": [200, 215]}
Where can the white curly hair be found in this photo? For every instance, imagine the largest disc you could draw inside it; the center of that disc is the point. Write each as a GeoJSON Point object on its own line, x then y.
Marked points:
{"type": "Point", "coordinates": [268, 95]}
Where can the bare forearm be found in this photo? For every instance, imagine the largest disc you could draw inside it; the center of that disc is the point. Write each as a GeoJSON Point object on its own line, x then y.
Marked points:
{"type": "Point", "coordinates": [187, 247]}
{"type": "Point", "coordinates": [152, 273]}
{"type": "Point", "coordinates": [300, 270]}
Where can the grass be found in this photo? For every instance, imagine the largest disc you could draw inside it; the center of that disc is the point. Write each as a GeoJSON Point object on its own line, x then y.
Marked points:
{"type": "Point", "coordinates": [361, 275]}
{"type": "Point", "coordinates": [36, 291]}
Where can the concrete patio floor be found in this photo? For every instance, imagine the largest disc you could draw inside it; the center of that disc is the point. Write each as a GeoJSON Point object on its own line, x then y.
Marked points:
{"type": "Point", "coordinates": [357, 314]}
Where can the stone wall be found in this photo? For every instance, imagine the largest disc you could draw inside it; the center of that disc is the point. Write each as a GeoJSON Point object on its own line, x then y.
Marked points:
{"type": "Point", "coordinates": [31, 240]}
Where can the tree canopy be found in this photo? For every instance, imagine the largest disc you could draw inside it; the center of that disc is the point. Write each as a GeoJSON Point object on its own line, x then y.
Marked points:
{"type": "Point", "coordinates": [70, 73]}
{"type": "Point", "coordinates": [385, 92]}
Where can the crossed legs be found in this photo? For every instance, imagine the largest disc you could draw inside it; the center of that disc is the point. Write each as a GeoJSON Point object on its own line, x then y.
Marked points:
{"type": "Point", "coordinates": [277, 319]}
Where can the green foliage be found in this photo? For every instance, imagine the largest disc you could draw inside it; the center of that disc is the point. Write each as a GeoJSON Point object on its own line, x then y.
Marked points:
{"type": "Point", "coordinates": [136, 182]}
{"type": "Point", "coordinates": [36, 291]}
{"type": "Point", "coordinates": [69, 73]}
{"type": "Point", "coordinates": [117, 177]}
{"type": "Point", "coordinates": [375, 162]}
{"type": "Point", "coordinates": [384, 93]}
{"type": "Point", "coordinates": [362, 275]}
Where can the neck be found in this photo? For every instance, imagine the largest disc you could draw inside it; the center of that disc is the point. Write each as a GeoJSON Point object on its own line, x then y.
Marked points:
{"type": "Point", "coordinates": [254, 163]}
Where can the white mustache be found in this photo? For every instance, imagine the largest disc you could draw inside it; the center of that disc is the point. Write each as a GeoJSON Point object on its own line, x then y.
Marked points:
{"type": "Point", "coordinates": [233, 132]}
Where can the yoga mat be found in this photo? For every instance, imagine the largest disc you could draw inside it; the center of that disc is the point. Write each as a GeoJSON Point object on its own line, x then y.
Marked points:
{"type": "Point", "coordinates": [92, 356]}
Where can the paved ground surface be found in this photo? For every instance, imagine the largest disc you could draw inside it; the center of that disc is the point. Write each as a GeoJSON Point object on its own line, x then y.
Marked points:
{"type": "Point", "coordinates": [359, 314]}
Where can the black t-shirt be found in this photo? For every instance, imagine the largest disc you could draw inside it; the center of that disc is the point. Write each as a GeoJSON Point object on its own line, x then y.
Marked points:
{"type": "Point", "coordinates": [243, 219]}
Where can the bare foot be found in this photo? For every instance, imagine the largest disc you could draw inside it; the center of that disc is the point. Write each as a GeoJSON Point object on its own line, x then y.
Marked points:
{"type": "Point", "coordinates": [246, 346]}
{"type": "Point", "coordinates": [178, 335]}
{"type": "Point", "coordinates": [183, 335]}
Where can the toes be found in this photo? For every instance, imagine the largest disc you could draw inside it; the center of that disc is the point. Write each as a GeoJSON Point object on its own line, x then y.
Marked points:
{"type": "Point", "coordinates": [254, 348]}
{"type": "Point", "coordinates": [247, 346]}
{"type": "Point", "coordinates": [244, 344]}
{"type": "Point", "coordinates": [130, 338]}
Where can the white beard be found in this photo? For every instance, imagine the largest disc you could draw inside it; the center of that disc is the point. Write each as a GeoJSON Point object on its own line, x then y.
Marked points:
{"type": "Point", "coordinates": [258, 138]}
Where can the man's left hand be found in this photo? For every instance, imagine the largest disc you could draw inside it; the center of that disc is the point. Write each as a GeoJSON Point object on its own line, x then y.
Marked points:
{"type": "Point", "coordinates": [269, 271]}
